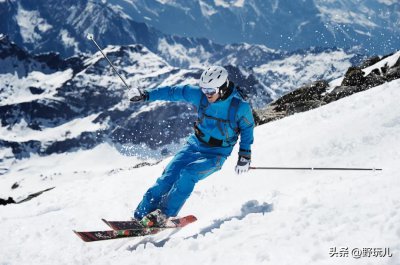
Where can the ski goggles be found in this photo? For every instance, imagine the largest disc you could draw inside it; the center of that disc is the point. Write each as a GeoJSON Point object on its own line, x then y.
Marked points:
{"type": "Point", "coordinates": [209, 91]}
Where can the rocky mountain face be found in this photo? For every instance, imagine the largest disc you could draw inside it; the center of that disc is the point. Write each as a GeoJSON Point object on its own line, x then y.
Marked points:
{"type": "Point", "coordinates": [372, 72]}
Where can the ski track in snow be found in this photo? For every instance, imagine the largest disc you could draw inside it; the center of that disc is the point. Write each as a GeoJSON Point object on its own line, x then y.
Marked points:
{"type": "Point", "coordinates": [263, 217]}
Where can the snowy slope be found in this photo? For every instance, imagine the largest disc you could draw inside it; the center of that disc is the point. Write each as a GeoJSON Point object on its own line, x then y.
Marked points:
{"type": "Point", "coordinates": [264, 217]}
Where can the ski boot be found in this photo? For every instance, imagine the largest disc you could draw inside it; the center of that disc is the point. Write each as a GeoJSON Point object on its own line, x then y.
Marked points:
{"type": "Point", "coordinates": [154, 219]}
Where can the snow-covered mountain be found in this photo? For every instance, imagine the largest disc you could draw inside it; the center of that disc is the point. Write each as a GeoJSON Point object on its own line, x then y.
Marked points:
{"type": "Point", "coordinates": [60, 26]}
{"type": "Point", "coordinates": [53, 105]}
{"type": "Point", "coordinates": [280, 24]}
{"type": "Point", "coordinates": [264, 217]}
{"type": "Point", "coordinates": [282, 76]}
{"type": "Point", "coordinates": [44, 104]}
{"type": "Point", "coordinates": [50, 105]}
{"type": "Point", "coordinates": [188, 32]}
{"type": "Point", "coordinates": [30, 26]}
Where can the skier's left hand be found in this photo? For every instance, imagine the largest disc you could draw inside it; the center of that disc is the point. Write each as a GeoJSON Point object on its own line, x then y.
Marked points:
{"type": "Point", "coordinates": [243, 165]}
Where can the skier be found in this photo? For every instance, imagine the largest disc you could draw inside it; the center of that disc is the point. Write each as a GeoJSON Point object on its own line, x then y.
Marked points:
{"type": "Point", "coordinates": [222, 115]}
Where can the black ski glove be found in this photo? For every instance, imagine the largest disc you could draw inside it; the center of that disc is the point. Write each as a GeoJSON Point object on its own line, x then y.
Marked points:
{"type": "Point", "coordinates": [243, 165]}
{"type": "Point", "coordinates": [142, 97]}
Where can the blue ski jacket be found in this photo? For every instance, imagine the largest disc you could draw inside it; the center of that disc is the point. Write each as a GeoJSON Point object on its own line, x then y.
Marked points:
{"type": "Point", "coordinates": [215, 130]}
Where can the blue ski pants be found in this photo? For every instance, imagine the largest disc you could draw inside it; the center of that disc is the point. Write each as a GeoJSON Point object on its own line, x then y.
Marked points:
{"type": "Point", "coordinates": [177, 182]}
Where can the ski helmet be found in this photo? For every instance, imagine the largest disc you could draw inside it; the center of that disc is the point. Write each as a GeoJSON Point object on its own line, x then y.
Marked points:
{"type": "Point", "coordinates": [213, 77]}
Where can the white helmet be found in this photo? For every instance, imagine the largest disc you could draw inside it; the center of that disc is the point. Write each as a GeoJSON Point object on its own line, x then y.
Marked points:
{"type": "Point", "coordinates": [213, 77]}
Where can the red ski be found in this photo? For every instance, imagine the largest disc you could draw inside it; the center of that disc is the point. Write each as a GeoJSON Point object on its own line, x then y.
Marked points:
{"type": "Point", "coordinates": [133, 231]}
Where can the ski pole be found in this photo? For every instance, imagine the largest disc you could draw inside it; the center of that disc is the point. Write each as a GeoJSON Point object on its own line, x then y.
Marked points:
{"type": "Point", "coordinates": [91, 37]}
{"type": "Point", "coordinates": [316, 168]}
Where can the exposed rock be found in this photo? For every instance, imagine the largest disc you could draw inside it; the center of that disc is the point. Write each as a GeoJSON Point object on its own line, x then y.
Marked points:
{"type": "Point", "coordinates": [11, 200]}
{"type": "Point", "coordinates": [341, 92]}
{"type": "Point", "coordinates": [353, 77]}
{"type": "Point", "coordinates": [36, 91]}
{"type": "Point", "coordinates": [268, 114]}
{"type": "Point", "coordinates": [305, 98]}
{"type": "Point", "coordinates": [15, 185]}
{"type": "Point", "coordinates": [313, 95]}
{"type": "Point", "coordinates": [370, 61]}
{"type": "Point", "coordinates": [373, 79]}
{"type": "Point", "coordinates": [308, 92]}
{"type": "Point", "coordinates": [393, 73]}
{"type": "Point", "coordinates": [302, 106]}
{"type": "Point", "coordinates": [8, 201]}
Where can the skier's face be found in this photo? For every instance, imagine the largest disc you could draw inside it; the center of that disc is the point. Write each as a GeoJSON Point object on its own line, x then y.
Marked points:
{"type": "Point", "coordinates": [212, 98]}
{"type": "Point", "coordinates": [211, 94]}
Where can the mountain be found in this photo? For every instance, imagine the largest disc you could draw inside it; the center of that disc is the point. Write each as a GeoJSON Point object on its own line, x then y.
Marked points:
{"type": "Point", "coordinates": [319, 217]}
{"type": "Point", "coordinates": [30, 25]}
{"type": "Point", "coordinates": [46, 101]}
{"type": "Point", "coordinates": [279, 24]}
{"type": "Point", "coordinates": [200, 32]}
{"type": "Point", "coordinates": [53, 105]}
{"type": "Point", "coordinates": [371, 73]}
{"type": "Point", "coordinates": [112, 23]}
{"type": "Point", "coordinates": [46, 27]}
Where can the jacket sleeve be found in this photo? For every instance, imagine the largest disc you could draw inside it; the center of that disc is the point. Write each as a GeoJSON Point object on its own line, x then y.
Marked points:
{"type": "Point", "coordinates": [246, 126]}
{"type": "Point", "coordinates": [187, 93]}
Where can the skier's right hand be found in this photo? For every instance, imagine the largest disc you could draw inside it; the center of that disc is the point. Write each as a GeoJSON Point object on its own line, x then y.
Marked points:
{"type": "Point", "coordinates": [142, 97]}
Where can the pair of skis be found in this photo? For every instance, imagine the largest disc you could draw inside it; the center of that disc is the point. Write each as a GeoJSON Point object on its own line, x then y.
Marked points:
{"type": "Point", "coordinates": [124, 229]}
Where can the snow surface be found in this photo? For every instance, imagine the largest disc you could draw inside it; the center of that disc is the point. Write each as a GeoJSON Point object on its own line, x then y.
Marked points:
{"type": "Point", "coordinates": [30, 23]}
{"type": "Point", "coordinates": [22, 133]}
{"type": "Point", "coordinates": [18, 88]}
{"type": "Point", "coordinates": [340, 17]}
{"type": "Point", "coordinates": [298, 70]}
{"type": "Point", "coordinates": [195, 57]}
{"type": "Point", "coordinates": [263, 217]}
{"type": "Point", "coordinates": [207, 10]}
{"type": "Point", "coordinates": [69, 41]}
{"type": "Point", "coordinates": [227, 4]}
{"type": "Point", "coordinates": [387, 2]}
{"type": "Point", "coordinates": [389, 62]}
